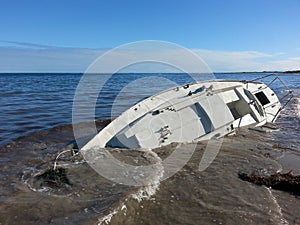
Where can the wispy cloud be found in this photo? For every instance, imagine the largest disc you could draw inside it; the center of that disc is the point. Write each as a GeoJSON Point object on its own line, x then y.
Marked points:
{"type": "Point", "coordinates": [286, 64]}
{"type": "Point", "coordinates": [233, 61]}
{"type": "Point", "coordinates": [51, 59]}
{"type": "Point", "coordinates": [16, 44]}
{"type": "Point", "coordinates": [248, 60]}
{"type": "Point", "coordinates": [30, 57]}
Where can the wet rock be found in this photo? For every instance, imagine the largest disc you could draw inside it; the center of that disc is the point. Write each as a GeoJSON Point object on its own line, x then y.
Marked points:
{"type": "Point", "coordinates": [53, 178]}
{"type": "Point", "coordinates": [286, 182]}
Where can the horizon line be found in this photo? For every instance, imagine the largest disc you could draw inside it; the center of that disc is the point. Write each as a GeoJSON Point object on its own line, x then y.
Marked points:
{"type": "Point", "coordinates": [228, 72]}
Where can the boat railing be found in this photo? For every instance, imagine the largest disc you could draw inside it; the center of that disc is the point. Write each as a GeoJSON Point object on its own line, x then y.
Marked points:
{"type": "Point", "coordinates": [289, 92]}
{"type": "Point", "coordinates": [285, 99]}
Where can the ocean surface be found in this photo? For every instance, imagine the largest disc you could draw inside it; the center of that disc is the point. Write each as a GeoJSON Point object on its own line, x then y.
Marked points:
{"type": "Point", "coordinates": [36, 125]}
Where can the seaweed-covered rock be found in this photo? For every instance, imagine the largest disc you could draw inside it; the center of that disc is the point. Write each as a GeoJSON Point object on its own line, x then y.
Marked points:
{"type": "Point", "coordinates": [54, 178]}
{"type": "Point", "coordinates": [285, 182]}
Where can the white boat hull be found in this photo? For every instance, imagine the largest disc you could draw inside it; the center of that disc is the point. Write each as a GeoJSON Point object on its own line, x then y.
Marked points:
{"type": "Point", "coordinates": [190, 113]}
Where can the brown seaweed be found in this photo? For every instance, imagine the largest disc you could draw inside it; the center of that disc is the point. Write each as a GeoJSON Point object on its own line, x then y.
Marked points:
{"type": "Point", "coordinates": [288, 182]}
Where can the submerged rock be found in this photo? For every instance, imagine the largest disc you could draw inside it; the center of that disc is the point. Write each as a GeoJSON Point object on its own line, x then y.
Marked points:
{"type": "Point", "coordinates": [285, 182]}
{"type": "Point", "coordinates": [53, 178]}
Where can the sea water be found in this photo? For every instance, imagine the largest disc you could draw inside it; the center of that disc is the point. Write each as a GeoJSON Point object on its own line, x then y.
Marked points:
{"type": "Point", "coordinates": [36, 117]}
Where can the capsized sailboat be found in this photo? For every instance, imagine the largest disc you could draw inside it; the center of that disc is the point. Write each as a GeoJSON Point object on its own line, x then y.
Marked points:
{"type": "Point", "coordinates": [190, 113]}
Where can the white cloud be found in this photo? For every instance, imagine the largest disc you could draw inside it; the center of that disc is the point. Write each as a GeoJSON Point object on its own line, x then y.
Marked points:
{"type": "Point", "coordinates": [286, 64]}
{"type": "Point", "coordinates": [46, 60]}
{"type": "Point", "coordinates": [232, 61]}
{"type": "Point", "coordinates": [248, 61]}
{"type": "Point", "coordinates": [27, 57]}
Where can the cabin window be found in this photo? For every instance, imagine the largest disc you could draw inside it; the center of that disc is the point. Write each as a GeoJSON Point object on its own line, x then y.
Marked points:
{"type": "Point", "coordinates": [262, 98]}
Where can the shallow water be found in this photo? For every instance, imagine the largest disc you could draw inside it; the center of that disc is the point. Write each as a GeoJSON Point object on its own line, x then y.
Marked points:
{"type": "Point", "coordinates": [213, 196]}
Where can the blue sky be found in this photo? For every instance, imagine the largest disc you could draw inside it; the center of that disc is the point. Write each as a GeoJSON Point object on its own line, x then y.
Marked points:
{"type": "Point", "coordinates": [67, 35]}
